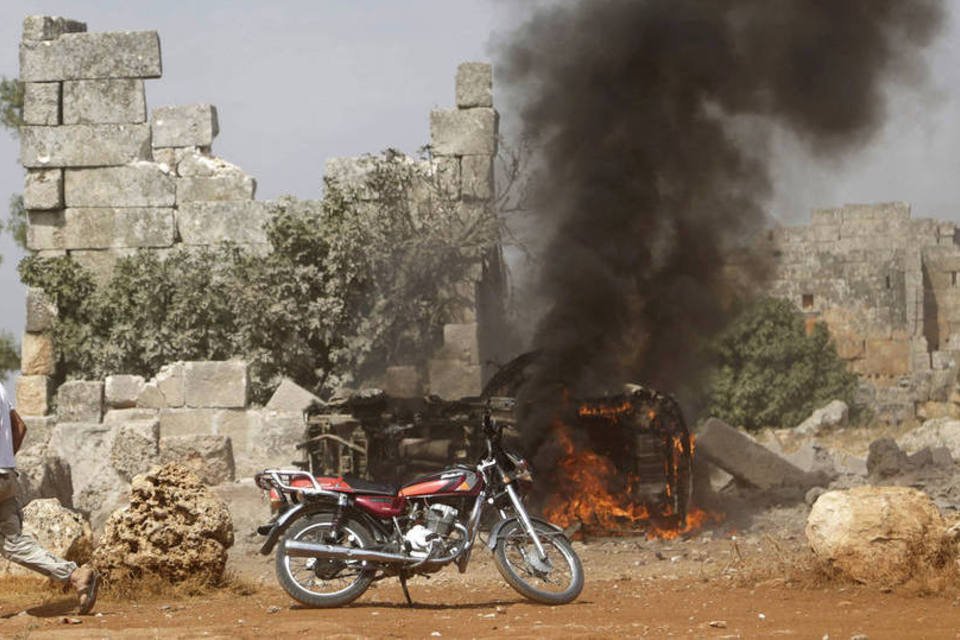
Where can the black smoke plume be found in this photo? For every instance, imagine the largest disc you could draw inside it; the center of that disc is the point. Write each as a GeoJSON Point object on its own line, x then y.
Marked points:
{"type": "Point", "coordinates": [647, 188]}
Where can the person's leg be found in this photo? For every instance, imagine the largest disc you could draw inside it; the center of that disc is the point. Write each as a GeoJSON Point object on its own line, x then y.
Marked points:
{"type": "Point", "coordinates": [23, 549]}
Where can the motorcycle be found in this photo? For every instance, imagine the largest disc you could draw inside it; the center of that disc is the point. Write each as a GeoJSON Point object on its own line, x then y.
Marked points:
{"type": "Point", "coordinates": [335, 536]}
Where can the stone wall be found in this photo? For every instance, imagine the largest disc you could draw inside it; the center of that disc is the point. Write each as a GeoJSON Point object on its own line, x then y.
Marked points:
{"type": "Point", "coordinates": [106, 179]}
{"type": "Point", "coordinates": [106, 432]}
{"type": "Point", "coordinates": [887, 286]}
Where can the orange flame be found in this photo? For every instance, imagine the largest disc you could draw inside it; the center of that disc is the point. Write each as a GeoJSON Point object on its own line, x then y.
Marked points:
{"type": "Point", "coordinates": [595, 493]}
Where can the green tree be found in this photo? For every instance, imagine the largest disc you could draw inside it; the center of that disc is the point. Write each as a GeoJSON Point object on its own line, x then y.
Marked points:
{"type": "Point", "coordinates": [771, 372]}
{"type": "Point", "coordinates": [364, 277]}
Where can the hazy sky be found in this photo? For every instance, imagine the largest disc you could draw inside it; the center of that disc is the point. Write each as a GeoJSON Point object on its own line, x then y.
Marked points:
{"type": "Point", "coordinates": [297, 82]}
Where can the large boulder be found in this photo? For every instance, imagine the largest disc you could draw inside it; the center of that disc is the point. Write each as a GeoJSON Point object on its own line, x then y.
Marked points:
{"type": "Point", "coordinates": [58, 530]}
{"type": "Point", "coordinates": [175, 528]}
{"type": "Point", "coordinates": [877, 535]}
{"type": "Point", "coordinates": [43, 475]}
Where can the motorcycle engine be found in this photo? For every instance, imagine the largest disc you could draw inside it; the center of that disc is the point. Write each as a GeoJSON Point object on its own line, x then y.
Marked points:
{"type": "Point", "coordinates": [439, 521]}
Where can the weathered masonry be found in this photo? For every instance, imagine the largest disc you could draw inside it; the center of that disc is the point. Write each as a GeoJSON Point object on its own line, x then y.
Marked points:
{"type": "Point", "coordinates": [888, 287]}
{"type": "Point", "coordinates": [105, 179]}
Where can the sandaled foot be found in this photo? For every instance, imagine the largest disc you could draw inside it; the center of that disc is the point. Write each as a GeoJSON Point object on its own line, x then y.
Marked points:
{"type": "Point", "coordinates": [85, 581]}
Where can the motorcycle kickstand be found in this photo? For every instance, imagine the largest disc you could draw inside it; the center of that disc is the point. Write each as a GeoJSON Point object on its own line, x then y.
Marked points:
{"type": "Point", "coordinates": [406, 592]}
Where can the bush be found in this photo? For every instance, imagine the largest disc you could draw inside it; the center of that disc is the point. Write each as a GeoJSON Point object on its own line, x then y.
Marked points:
{"type": "Point", "coordinates": [771, 372]}
{"type": "Point", "coordinates": [363, 278]}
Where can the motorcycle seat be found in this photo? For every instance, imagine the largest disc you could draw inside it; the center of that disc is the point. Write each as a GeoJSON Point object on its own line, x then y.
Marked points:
{"type": "Point", "coordinates": [360, 485]}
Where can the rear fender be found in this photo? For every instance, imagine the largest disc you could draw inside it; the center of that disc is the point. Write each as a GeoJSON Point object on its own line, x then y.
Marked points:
{"type": "Point", "coordinates": [497, 528]}
{"type": "Point", "coordinates": [288, 517]}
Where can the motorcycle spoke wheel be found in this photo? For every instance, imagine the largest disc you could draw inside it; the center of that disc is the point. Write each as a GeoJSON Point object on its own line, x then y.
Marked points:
{"type": "Point", "coordinates": [318, 582]}
{"type": "Point", "coordinates": [518, 562]}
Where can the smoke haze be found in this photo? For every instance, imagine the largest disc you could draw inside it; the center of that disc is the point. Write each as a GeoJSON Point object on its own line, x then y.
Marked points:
{"type": "Point", "coordinates": [650, 120]}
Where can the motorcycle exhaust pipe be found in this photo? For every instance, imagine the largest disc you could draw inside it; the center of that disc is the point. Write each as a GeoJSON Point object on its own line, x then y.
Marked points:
{"type": "Point", "coordinates": [297, 549]}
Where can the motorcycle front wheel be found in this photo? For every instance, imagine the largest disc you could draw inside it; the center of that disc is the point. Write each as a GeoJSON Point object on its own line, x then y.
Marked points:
{"type": "Point", "coordinates": [558, 581]}
{"type": "Point", "coordinates": [323, 583]}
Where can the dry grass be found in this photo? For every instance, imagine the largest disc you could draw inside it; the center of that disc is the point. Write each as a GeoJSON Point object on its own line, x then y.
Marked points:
{"type": "Point", "coordinates": [151, 587]}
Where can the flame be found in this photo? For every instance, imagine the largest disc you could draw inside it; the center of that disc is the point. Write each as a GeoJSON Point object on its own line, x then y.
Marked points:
{"type": "Point", "coordinates": [598, 496]}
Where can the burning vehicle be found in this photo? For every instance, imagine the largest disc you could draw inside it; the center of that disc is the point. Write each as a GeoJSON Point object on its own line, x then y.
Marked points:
{"type": "Point", "coordinates": [619, 464]}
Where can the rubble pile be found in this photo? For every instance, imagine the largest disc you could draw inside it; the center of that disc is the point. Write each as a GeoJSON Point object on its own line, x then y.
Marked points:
{"type": "Point", "coordinates": [175, 528]}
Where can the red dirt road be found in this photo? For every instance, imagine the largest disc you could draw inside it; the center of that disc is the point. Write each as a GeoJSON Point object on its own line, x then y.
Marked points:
{"type": "Point", "coordinates": [635, 589]}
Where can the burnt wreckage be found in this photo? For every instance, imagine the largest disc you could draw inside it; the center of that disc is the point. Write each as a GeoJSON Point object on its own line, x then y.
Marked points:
{"type": "Point", "coordinates": [370, 435]}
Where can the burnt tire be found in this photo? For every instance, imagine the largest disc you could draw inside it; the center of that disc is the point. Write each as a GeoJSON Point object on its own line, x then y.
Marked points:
{"type": "Point", "coordinates": [311, 581]}
{"type": "Point", "coordinates": [513, 542]}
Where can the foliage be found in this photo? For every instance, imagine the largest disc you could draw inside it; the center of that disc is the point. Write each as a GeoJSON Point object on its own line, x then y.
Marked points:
{"type": "Point", "coordinates": [11, 104]}
{"type": "Point", "coordinates": [364, 277]}
{"type": "Point", "coordinates": [16, 225]}
{"type": "Point", "coordinates": [771, 372]}
{"type": "Point", "coordinates": [9, 354]}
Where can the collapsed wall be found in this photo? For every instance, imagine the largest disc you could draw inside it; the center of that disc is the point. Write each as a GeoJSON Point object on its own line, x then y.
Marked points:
{"type": "Point", "coordinates": [106, 179]}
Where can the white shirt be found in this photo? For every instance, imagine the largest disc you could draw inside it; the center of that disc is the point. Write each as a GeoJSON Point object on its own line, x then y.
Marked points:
{"type": "Point", "coordinates": [7, 460]}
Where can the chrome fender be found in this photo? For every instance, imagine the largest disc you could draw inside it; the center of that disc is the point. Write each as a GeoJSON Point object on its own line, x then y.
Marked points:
{"type": "Point", "coordinates": [497, 528]}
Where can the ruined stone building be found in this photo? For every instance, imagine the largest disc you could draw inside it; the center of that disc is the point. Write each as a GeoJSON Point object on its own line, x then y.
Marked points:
{"type": "Point", "coordinates": [888, 287]}
{"type": "Point", "coordinates": [106, 179]}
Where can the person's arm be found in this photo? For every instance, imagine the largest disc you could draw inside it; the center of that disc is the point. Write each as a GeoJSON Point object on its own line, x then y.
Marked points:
{"type": "Point", "coordinates": [19, 429]}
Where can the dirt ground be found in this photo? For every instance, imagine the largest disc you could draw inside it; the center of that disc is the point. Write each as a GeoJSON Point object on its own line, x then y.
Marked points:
{"type": "Point", "coordinates": [719, 585]}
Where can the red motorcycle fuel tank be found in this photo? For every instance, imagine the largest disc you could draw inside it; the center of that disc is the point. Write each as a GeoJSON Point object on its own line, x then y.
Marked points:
{"type": "Point", "coordinates": [453, 481]}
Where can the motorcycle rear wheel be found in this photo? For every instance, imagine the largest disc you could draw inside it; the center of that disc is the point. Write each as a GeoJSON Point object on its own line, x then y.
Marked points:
{"type": "Point", "coordinates": [560, 585]}
{"type": "Point", "coordinates": [323, 583]}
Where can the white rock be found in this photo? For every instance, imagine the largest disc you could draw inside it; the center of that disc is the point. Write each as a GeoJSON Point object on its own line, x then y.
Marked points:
{"type": "Point", "coordinates": [832, 415]}
{"type": "Point", "coordinates": [941, 432]}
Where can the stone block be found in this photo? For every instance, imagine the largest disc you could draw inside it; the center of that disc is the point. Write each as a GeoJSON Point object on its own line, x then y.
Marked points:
{"type": "Point", "coordinates": [474, 85]}
{"type": "Point", "coordinates": [187, 422]}
{"type": "Point", "coordinates": [217, 222]}
{"type": "Point", "coordinates": [210, 457]}
{"type": "Point", "coordinates": [43, 189]}
{"type": "Point", "coordinates": [80, 401]}
{"type": "Point", "coordinates": [192, 125]}
{"type": "Point", "coordinates": [477, 181]}
{"type": "Point", "coordinates": [290, 396]}
{"type": "Point", "coordinates": [44, 230]}
{"type": "Point", "coordinates": [462, 132]}
{"type": "Point", "coordinates": [41, 311]}
{"type": "Point", "coordinates": [241, 427]}
{"type": "Point", "coordinates": [50, 27]}
{"type": "Point", "coordinates": [748, 461]}
{"type": "Point", "coordinates": [228, 188]}
{"type": "Point", "coordinates": [136, 448]}
{"type": "Point", "coordinates": [39, 429]}
{"type": "Point", "coordinates": [86, 448]}
{"type": "Point", "coordinates": [143, 184]}
{"type": "Point", "coordinates": [122, 391]}
{"type": "Point", "coordinates": [849, 347]}
{"type": "Point", "coordinates": [273, 440]}
{"type": "Point", "coordinates": [219, 384]}
{"type": "Point", "coordinates": [447, 169]}
{"type": "Point", "coordinates": [451, 379]}
{"type": "Point", "coordinates": [41, 103]}
{"type": "Point", "coordinates": [403, 382]}
{"type": "Point", "coordinates": [33, 395]}
{"type": "Point", "coordinates": [113, 101]}
{"type": "Point", "coordinates": [83, 145]}
{"type": "Point", "coordinates": [37, 356]}
{"type": "Point", "coordinates": [42, 475]}
{"type": "Point", "coordinates": [106, 228]}
{"type": "Point", "coordinates": [130, 414]}
{"type": "Point", "coordinates": [170, 382]}
{"type": "Point", "coordinates": [461, 341]}
{"type": "Point", "coordinates": [85, 56]}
